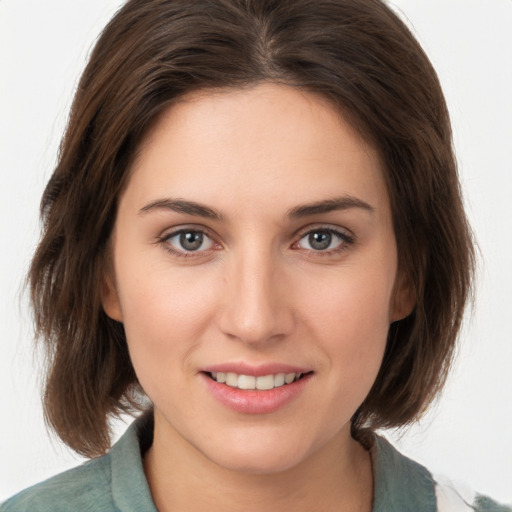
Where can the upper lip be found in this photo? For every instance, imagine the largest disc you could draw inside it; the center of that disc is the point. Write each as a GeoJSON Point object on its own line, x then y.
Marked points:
{"type": "Point", "coordinates": [259, 370]}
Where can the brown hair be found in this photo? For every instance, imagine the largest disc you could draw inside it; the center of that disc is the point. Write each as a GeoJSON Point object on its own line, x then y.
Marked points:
{"type": "Point", "coordinates": [355, 53]}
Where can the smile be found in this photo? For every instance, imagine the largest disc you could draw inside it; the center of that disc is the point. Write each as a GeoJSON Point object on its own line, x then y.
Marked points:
{"type": "Point", "coordinates": [250, 382]}
{"type": "Point", "coordinates": [248, 393]}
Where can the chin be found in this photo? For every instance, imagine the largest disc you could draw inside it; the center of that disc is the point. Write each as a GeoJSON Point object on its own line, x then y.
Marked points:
{"type": "Point", "coordinates": [257, 461]}
{"type": "Point", "coordinates": [262, 453]}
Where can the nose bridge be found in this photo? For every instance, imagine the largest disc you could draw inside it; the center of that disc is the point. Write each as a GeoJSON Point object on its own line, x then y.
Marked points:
{"type": "Point", "coordinates": [255, 308]}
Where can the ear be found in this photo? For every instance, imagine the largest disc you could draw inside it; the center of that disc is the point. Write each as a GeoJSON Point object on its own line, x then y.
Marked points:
{"type": "Point", "coordinates": [110, 299]}
{"type": "Point", "coordinates": [403, 299]}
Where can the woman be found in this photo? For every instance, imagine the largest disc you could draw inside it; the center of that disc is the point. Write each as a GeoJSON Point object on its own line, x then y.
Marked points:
{"type": "Point", "coordinates": [256, 222]}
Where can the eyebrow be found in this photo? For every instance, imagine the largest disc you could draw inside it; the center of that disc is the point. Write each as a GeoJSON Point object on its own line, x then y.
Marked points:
{"type": "Point", "coordinates": [182, 206]}
{"type": "Point", "coordinates": [306, 210]}
{"type": "Point", "coordinates": [329, 205]}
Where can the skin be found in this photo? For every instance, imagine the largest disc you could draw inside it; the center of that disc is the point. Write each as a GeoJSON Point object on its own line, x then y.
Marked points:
{"type": "Point", "coordinates": [256, 291]}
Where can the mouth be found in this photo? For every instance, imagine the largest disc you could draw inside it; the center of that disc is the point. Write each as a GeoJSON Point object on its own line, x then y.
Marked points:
{"type": "Point", "coordinates": [256, 389]}
{"type": "Point", "coordinates": [251, 382]}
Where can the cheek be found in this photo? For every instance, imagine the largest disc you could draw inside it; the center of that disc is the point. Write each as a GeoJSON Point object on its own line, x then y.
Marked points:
{"type": "Point", "coordinates": [350, 302]}
{"type": "Point", "coordinates": [349, 316]}
{"type": "Point", "coordinates": [164, 313]}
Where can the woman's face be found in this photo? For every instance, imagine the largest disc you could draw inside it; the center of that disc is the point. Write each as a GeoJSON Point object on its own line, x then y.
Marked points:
{"type": "Point", "coordinates": [254, 244]}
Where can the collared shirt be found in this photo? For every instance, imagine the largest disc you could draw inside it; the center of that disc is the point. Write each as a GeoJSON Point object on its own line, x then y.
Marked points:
{"type": "Point", "coordinates": [116, 482]}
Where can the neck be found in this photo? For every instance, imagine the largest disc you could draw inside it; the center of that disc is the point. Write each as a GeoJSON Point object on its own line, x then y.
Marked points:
{"type": "Point", "coordinates": [339, 476]}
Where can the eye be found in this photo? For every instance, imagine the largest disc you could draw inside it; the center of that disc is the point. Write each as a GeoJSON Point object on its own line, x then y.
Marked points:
{"type": "Point", "coordinates": [188, 240]}
{"type": "Point", "coordinates": [324, 240]}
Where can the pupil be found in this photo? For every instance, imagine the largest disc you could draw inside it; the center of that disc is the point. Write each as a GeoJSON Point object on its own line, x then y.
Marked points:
{"type": "Point", "coordinates": [191, 241]}
{"type": "Point", "coordinates": [320, 240]}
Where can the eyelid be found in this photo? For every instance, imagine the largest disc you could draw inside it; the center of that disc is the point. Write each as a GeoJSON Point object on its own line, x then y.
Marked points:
{"type": "Point", "coordinates": [347, 237]}
{"type": "Point", "coordinates": [341, 231]}
{"type": "Point", "coordinates": [197, 228]}
{"type": "Point", "coordinates": [170, 233]}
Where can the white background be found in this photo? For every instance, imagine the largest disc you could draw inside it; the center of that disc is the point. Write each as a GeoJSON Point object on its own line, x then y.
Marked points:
{"type": "Point", "coordinates": [468, 436]}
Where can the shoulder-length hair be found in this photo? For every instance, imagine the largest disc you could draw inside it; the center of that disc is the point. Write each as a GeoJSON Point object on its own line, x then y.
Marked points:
{"type": "Point", "coordinates": [355, 53]}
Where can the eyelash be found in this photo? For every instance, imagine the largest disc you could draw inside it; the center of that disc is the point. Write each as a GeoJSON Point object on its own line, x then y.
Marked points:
{"type": "Point", "coordinates": [165, 241]}
{"type": "Point", "coordinates": [346, 241]}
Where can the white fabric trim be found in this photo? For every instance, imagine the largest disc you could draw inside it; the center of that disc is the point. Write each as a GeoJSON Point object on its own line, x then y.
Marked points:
{"type": "Point", "coordinates": [453, 497]}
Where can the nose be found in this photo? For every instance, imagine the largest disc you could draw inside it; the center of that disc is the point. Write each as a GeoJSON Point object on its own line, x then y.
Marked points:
{"type": "Point", "coordinates": [256, 306]}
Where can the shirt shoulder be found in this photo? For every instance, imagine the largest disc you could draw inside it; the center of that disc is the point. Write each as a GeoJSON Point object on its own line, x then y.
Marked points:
{"type": "Point", "coordinates": [111, 483]}
{"type": "Point", "coordinates": [401, 484]}
{"type": "Point", "coordinates": [454, 497]}
{"type": "Point", "coordinates": [85, 488]}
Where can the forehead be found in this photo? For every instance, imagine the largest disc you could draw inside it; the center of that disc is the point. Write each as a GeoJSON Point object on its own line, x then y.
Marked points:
{"type": "Point", "coordinates": [271, 140]}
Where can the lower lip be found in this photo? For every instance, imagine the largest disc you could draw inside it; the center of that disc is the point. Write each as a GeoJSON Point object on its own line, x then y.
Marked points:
{"type": "Point", "coordinates": [256, 401]}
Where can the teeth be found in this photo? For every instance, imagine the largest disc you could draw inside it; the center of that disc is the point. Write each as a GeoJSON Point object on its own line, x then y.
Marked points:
{"type": "Point", "coordinates": [246, 382]}
{"type": "Point", "coordinates": [280, 378]}
{"type": "Point", "coordinates": [289, 378]}
{"type": "Point", "coordinates": [232, 380]}
{"type": "Point", "coordinates": [262, 383]}
{"type": "Point", "coordinates": [265, 382]}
